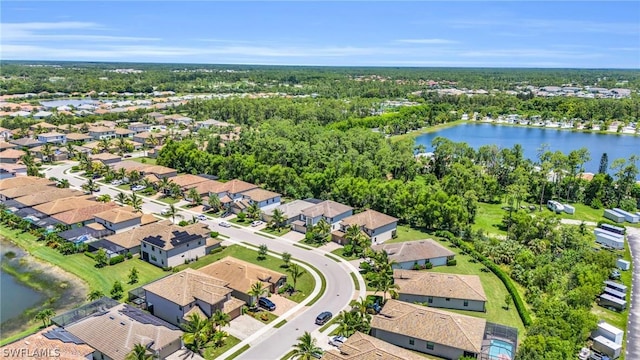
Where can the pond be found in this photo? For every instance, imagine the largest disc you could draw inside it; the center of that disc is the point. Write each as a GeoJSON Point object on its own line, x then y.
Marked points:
{"type": "Point", "coordinates": [15, 297]}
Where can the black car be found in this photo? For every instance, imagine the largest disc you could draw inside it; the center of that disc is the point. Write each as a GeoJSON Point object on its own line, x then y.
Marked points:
{"type": "Point", "coordinates": [266, 303]}
{"type": "Point", "coordinates": [323, 317]}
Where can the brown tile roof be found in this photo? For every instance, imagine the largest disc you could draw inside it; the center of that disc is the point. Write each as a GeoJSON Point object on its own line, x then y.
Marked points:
{"type": "Point", "coordinates": [326, 208]}
{"type": "Point", "coordinates": [206, 187]}
{"type": "Point", "coordinates": [149, 134]}
{"type": "Point", "coordinates": [65, 204]}
{"type": "Point", "coordinates": [194, 310]}
{"type": "Point", "coordinates": [115, 334]}
{"type": "Point", "coordinates": [158, 170]}
{"type": "Point", "coordinates": [83, 214]}
{"type": "Point", "coordinates": [52, 133]}
{"type": "Point", "coordinates": [364, 347]}
{"type": "Point", "coordinates": [129, 165]}
{"type": "Point", "coordinates": [260, 194]}
{"type": "Point", "coordinates": [414, 250]}
{"type": "Point", "coordinates": [104, 156]}
{"type": "Point", "coordinates": [119, 214]}
{"type": "Point", "coordinates": [99, 129]}
{"type": "Point", "coordinates": [46, 195]}
{"type": "Point", "coordinates": [232, 304]}
{"type": "Point", "coordinates": [148, 219]}
{"type": "Point", "coordinates": [7, 145]}
{"type": "Point", "coordinates": [430, 324]}
{"type": "Point", "coordinates": [38, 342]}
{"type": "Point", "coordinates": [17, 192]}
{"type": "Point", "coordinates": [12, 154]}
{"type": "Point", "coordinates": [121, 131]}
{"type": "Point", "coordinates": [166, 232]}
{"type": "Point", "coordinates": [96, 226]}
{"type": "Point", "coordinates": [131, 238]}
{"type": "Point", "coordinates": [240, 274]}
{"type": "Point", "coordinates": [370, 219]}
{"type": "Point", "coordinates": [235, 186]}
{"type": "Point", "coordinates": [42, 124]}
{"type": "Point", "coordinates": [186, 286]}
{"type": "Point", "coordinates": [466, 287]}
{"type": "Point", "coordinates": [23, 181]}
{"type": "Point", "coordinates": [186, 180]}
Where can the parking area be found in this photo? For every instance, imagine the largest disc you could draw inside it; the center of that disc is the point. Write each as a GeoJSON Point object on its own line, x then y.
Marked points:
{"type": "Point", "coordinates": [282, 304]}
{"type": "Point", "coordinates": [243, 326]}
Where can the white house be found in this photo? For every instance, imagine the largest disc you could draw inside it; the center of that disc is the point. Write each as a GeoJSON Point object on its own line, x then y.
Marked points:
{"type": "Point", "coordinates": [378, 226]}
{"type": "Point", "coordinates": [332, 212]}
{"type": "Point", "coordinates": [173, 245]}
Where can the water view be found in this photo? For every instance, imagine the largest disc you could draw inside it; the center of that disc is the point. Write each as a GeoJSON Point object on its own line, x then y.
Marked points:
{"type": "Point", "coordinates": [15, 297]}
{"type": "Point", "coordinates": [476, 135]}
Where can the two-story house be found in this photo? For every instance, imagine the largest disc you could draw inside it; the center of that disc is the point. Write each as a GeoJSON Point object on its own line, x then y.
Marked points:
{"type": "Point", "coordinates": [171, 245]}
{"type": "Point", "coordinates": [231, 191]}
{"type": "Point", "coordinates": [332, 212]}
{"type": "Point", "coordinates": [53, 137]}
{"type": "Point", "coordinates": [175, 297]}
{"type": "Point", "coordinates": [139, 127]}
{"type": "Point", "coordinates": [265, 199]}
{"type": "Point", "coordinates": [124, 133]}
{"type": "Point", "coordinates": [376, 225]}
{"type": "Point", "coordinates": [119, 219]}
{"type": "Point", "coordinates": [102, 132]}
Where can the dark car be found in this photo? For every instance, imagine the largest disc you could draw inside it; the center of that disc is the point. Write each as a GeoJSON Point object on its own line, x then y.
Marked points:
{"type": "Point", "coordinates": [266, 303]}
{"type": "Point", "coordinates": [323, 318]}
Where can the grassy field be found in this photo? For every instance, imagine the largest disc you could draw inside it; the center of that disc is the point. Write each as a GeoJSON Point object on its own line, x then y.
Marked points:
{"type": "Point", "coordinates": [147, 160]}
{"type": "Point", "coordinates": [338, 252]}
{"type": "Point", "coordinates": [84, 267]}
{"type": "Point", "coordinates": [406, 233]}
{"type": "Point", "coordinates": [585, 213]}
{"type": "Point", "coordinates": [212, 353]}
{"type": "Point", "coordinates": [488, 217]}
{"type": "Point", "coordinates": [304, 285]}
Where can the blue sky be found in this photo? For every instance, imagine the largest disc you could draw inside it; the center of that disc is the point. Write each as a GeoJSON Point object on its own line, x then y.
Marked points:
{"type": "Point", "coordinates": [589, 34]}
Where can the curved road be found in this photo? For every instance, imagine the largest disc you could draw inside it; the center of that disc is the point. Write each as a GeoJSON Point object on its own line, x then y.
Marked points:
{"type": "Point", "coordinates": [275, 343]}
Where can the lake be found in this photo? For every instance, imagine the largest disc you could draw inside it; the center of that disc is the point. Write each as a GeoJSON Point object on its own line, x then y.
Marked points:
{"type": "Point", "coordinates": [476, 135]}
{"type": "Point", "coordinates": [15, 297]}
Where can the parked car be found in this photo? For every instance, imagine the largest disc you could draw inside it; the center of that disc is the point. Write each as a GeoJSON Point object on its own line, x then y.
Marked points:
{"type": "Point", "coordinates": [256, 223]}
{"type": "Point", "coordinates": [116, 182]}
{"type": "Point", "coordinates": [225, 224]}
{"type": "Point", "coordinates": [323, 317]}
{"type": "Point", "coordinates": [337, 340]}
{"type": "Point", "coordinates": [137, 188]}
{"type": "Point", "coordinates": [318, 355]}
{"type": "Point", "coordinates": [127, 156]}
{"type": "Point", "coordinates": [266, 303]}
{"type": "Point", "coordinates": [225, 214]}
{"type": "Point", "coordinates": [206, 207]}
{"type": "Point", "coordinates": [201, 217]}
{"type": "Point", "coordinates": [165, 212]}
{"type": "Point", "coordinates": [96, 176]}
{"type": "Point", "coordinates": [615, 274]}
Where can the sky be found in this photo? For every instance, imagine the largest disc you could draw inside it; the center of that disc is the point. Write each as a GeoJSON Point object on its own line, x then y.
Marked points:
{"type": "Point", "coordinates": [573, 34]}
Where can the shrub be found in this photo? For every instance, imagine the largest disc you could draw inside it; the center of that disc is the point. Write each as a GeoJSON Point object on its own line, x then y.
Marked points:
{"type": "Point", "coordinates": [116, 260]}
{"type": "Point", "coordinates": [183, 223]}
{"type": "Point", "coordinates": [416, 266]}
{"type": "Point", "coordinates": [167, 268]}
{"type": "Point", "coordinates": [608, 223]}
{"type": "Point", "coordinates": [90, 254]}
{"type": "Point", "coordinates": [214, 234]}
{"type": "Point", "coordinates": [75, 168]}
{"type": "Point", "coordinates": [217, 250]}
{"type": "Point", "coordinates": [427, 265]}
{"type": "Point", "coordinates": [596, 204]}
{"type": "Point", "coordinates": [129, 255]}
{"type": "Point", "coordinates": [452, 262]}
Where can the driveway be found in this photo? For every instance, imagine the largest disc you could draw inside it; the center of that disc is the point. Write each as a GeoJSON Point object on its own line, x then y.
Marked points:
{"type": "Point", "coordinates": [293, 236]}
{"type": "Point", "coordinates": [633, 326]}
{"type": "Point", "coordinates": [330, 246]}
{"type": "Point", "coordinates": [282, 304]}
{"type": "Point", "coordinates": [243, 326]}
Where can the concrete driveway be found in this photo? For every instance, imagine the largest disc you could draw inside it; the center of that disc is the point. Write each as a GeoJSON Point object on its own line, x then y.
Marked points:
{"type": "Point", "coordinates": [282, 304]}
{"type": "Point", "coordinates": [633, 326]}
{"type": "Point", "coordinates": [243, 326]}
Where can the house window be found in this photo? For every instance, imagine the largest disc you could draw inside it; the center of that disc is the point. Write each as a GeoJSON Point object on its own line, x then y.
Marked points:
{"type": "Point", "coordinates": [412, 342]}
{"type": "Point", "coordinates": [429, 345]}
{"type": "Point", "coordinates": [162, 262]}
{"type": "Point", "coordinates": [466, 303]}
{"type": "Point", "coordinates": [144, 245]}
{"type": "Point", "coordinates": [153, 248]}
{"type": "Point", "coordinates": [448, 299]}
{"type": "Point", "coordinates": [199, 242]}
{"type": "Point", "coordinates": [430, 299]}
{"type": "Point", "coordinates": [180, 308]}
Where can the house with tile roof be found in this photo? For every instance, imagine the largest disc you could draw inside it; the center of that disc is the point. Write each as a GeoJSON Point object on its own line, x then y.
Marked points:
{"type": "Point", "coordinates": [241, 275]}
{"type": "Point", "coordinates": [138, 127]}
{"type": "Point", "coordinates": [376, 225]}
{"type": "Point", "coordinates": [11, 156]}
{"type": "Point", "coordinates": [429, 330]}
{"type": "Point", "coordinates": [82, 216]}
{"type": "Point", "coordinates": [46, 194]}
{"type": "Point", "coordinates": [119, 219]}
{"type": "Point", "coordinates": [332, 212]}
{"type": "Point", "coordinates": [12, 170]}
{"type": "Point", "coordinates": [65, 204]}
{"type": "Point", "coordinates": [105, 158]}
{"type": "Point", "coordinates": [126, 241]}
{"type": "Point", "coordinates": [408, 254]}
{"type": "Point", "coordinates": [101, 132]}
{"type": "Point", "coordinates": [291, 211]}
{"type": "Point", "coordinates": [438, 290]}
{"type": "Point", "coordinates": [175, 297]}
{"type": "Point", "coordinates": [170, 245]}
{"type": "Point", "coordinates": [264, 198]}
{"type": "Point", "coordinates": [42, 125]}
{"type": "Point", "coordinates": [26, 142]}
{"type": "Point", "coordinates": [360, 346]}
{"type": "Point", "coordinates": [12, 188]}
{"type": "Point", "coordinates": [115, 332]}
{"type": "Point", "coordinates": [78, 138]}
{"type": "Point", "coordinates": [204, 188]}
{"type": "Point", "coordinates": [50, 342]}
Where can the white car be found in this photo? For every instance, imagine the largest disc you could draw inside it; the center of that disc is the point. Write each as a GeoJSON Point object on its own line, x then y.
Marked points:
{"type": "Point", "coordinates": [165, 212]}
{"type": "Point", "coordinates": [225, 224]}
{"type": "Point", "coordinates": [116, 182]}
{"type": "Point", "coordinates": [201, 217]}
{"type": "Point", "coordinates": [137, 188]}
{"type": "Point", "coordinates": [256, 223]}
{"type": "Point", "coordinates": [337, 341]}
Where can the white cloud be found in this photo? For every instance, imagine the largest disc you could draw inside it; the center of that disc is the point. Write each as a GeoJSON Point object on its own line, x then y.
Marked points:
{"type": "Point", "coordinates": [427, 41]}
{"type": "Point", "coordinates": [40, 31]}
{"type": "Point", "coordinates": [544, 25]}
{"type": "Point", "coordinates": [528, 53]}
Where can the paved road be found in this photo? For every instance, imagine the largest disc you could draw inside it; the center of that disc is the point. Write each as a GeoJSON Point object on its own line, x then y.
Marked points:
{"type": "Point", "coordinates": [633, 325]}
{"type": "Point", "coordinates": [272, 343]}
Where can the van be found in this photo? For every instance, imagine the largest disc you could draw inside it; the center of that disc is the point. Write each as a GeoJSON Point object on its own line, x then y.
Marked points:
{"type": "Point", "coordinates": [323, 318]}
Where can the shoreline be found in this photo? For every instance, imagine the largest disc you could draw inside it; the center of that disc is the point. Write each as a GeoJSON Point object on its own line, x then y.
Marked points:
{"type": "Point", "coordinates": [61, 290]}
{"type": "Point", "coordinates": [426, 130]}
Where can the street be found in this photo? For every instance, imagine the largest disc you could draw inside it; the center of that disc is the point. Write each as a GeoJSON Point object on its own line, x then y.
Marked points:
{"type": "Point", "coordinates": [269, 343]}
{"type": "Point", "coordinates": [633, 324]}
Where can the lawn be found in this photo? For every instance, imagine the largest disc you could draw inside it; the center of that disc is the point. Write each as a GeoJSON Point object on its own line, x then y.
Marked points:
{"type": "Point", "coordinates": [339, 252]}
{"type": "Point", "coordinates": [304, 285]}
{"type": "Point", "coordinates": [212, 353]}
{"type": "Point", "coordinates": [488, 217]}
{"type": "Point", "coordinates": [281, 232]}
{"type": "Point", "coordinates": [147, 160]}
{"type": "Point", "coordinates": [406, 233]}
{"type": "Point", "coordinates": [584, 212]}
{"type": "Point", "coordinates": [84, 267]}
{"type": "Point", "coordinates": [246, 221]}
{"type": "Point", "coordinates": [168, 200]}
{"type": "Point", "coordinates": [268, 316]}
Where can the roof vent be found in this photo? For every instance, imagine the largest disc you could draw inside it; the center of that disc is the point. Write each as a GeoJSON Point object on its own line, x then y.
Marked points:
{"type": "Point", "coordinates": [122, 323]}
{"type": "Point", "coordinates": [111, 317]}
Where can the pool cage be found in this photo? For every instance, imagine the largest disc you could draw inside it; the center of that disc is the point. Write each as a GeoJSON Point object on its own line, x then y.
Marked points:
{"type": "Point", "coordinates": [96, 307]}
{"type": "Point", "coordinates": [501, 336]}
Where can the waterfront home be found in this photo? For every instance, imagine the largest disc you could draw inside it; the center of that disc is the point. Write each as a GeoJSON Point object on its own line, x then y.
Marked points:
{"type": "Point", "coordinates": [65, 204]}
{"type": "Point", "coordinates": [171, 245]}
{"type": "Point", "coordinates": [119, 219]}
{"type": "Point", "coordinates": [127, 241]}
{"type": "Point", "coordinates": [46, 194]}
{"type": "Point", "coordinates": [50, 342]}
{"type": "Point", "coordinates": [53, 137]}
{"type": "Point", "coordinates": [449, 291]}
{"type": "Point", "coordinates": [376, 225]}
{"type": "Point", "coordinates": [82, 216]}
{"type": "Point", "coordinates": [330, 211]}
{"type": "Point", "coordinates": [175, 297]}
{"type": "Point", "coordinates": [241, 275]}
{"type": "Point", "coordinates": [360, 346]}
{"type": "Point", "coordinates": [409, 254]}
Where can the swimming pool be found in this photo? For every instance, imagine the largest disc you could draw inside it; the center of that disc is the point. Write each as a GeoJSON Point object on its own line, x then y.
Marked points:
{"type": "Point", "coordinates": [500, 350]}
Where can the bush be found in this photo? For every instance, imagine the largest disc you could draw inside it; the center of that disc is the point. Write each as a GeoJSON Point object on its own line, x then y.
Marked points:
{"type": "Point", "coordinates": [416, 266]}
{"type": "Point", "coordinates": [452, 262]}
{"type": "Point", "coordinates": [217, 250]}
{"type": "Point", "coordinates": [608, 223]}
{"type": "Point", "coordinates": [90, 254]}
{"type": "Point", "coordinates": [116, 260]}
{"type": "Point", "coordinates": [129, 255]}
{"type": "Point", "coordinates": [214, 234]}
{"type": "Point", "coordinates": [596, 204]}
{"type": "Point", "coordinates": [427, 265]}
{"type": "Point", "coordinates": [167, 268]}
{"type": "Point", "coordinates": [183, 223]}
{"type": "Point", "coordinates": [75, 168]}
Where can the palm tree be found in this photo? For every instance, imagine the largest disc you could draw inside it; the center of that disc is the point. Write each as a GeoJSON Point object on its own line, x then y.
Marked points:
{"type": "Point", "coordinates": [253, 211]}
{"type": "Point", "coordinates": [164, 185]}
{"type": "Point", "coordinates": [384, 282]}
{"type": "Point", "coordinates": [122, 173]}
{"type": "Point", "coordinates": [121, 198]}
{"type": "Point", "coordinates": [47, 151]}
{"type": "Point", "coordinates": [295, 271]}
{"type": "Point", "coordinates": [104, 144]}
{"type": "Point", "coordinates": [277, 218]}
{"type": "Point", "coordinates": [218, 320]}
{"type": "Point", "coordinates": [175, 190]}
{"type": "Point", "coordinates": [194, 197]}
{"type": "Point", "coordinates": [95, 295]}
{"type": "Point", "coordinates": [214, 202]}
{"type": "Point", "coordinates": [45, 315]}
{"type": "Point", "coordinates": [306, 348]}
{"type": "Point", "coordinates": [134, 176]}
{"type": "Point", "coordinates": [140, 352]}
{"type": "Point", "coordinates": [151, 142]}
{"type": "Point", "coordinates": [173, 212]}
{"type": "Point", "coordinates": [71, 151]}
{"type": "Point", "coordinates": [135, 201]}
{"type": "Point", "coordinates": [90, 186]}
{"type": "Point", "coordinates": [27, 159]}
{"type": "Point", "coordinates": [64, 183]}
{"type": "Point", "coordinates": [257, 290]}
{"type": "Point", "coordinates": [218, 338]}
{"type": "Point", "coordinates": [351, 321]}
{"type": "Point", "coordinates": [196, 333]}
{"type": "Point", "coordinates": [122, 144]}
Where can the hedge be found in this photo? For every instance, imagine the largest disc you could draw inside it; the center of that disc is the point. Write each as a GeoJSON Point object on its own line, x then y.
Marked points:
{"type": "Point", "coordinates": [506, 280]}
{"type": "Point", "coordinates": [90, 254]}
{"type": "Point", "coordinates": [116, 259]}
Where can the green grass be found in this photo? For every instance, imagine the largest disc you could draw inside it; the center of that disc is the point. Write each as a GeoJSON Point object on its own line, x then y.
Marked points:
{"type": "Point", "coordinates": [302, 246]}
{"type": "Point", "coordinates": [240, 351]}
{"type": "Point", "coordinates": [326, 326]}
{"type": "Point", "coordinates": [585, 213]}
{"type": "Point", "coordinates": [21, 334]}
{"type": "Point", "coordinates": [339, 252]}
{"type": "Point", "coordinates": [304, 285]}
{"type": "Point", "coordinates": [280, 232]}
{"type": "Point", "coordinates": [323, 286]}
{"type": "Point", "coordinates": [280, 324]}
{"type": "Point", "coordinates": [489, 217]}
{"type": "Point", "coordinates": [148, 161]}
{"type": "Point", "coordinates": [168, 200]}
{"type": "Point", "coordinates": [406, 233]}
{"type": "Point", "coordinates": [84, 267]}
{"type": "Point", "coordinates": [212, 353]}
{"type": "Point", "coordinates": [265, 235]}
{"type": "Point", "coordinates": [356, 284]}
{"type": "Point", "coordinates": [258, 316]}
{"type": "Point", "coordinates": [246, 222]}
{"type": "Point", "coordinates": [288, 355]}
{"type": "Point", "coordinates": [333, 258]}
